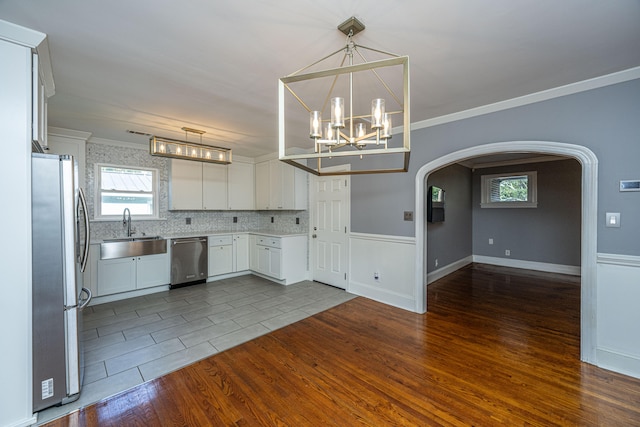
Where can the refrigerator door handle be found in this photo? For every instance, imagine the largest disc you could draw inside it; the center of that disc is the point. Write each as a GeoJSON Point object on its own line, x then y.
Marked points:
{"type": "Point", "coordinates": [85, 302]}
{"type": "Point", "coordinates": [87, 241]}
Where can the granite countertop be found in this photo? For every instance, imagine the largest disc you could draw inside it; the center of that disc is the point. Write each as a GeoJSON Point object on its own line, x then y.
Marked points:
{"type": "Point", "coordinates": [269, 233]}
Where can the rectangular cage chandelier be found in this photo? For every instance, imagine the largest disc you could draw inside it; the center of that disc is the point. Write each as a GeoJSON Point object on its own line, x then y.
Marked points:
{"type": "Point", "coordinates": [185, 150]}
{"type": "Point", "coordinates": [345, 113]}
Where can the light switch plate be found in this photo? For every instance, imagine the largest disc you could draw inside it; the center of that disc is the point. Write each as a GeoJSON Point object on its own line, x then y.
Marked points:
{"type": "Point", "coordinates": [613, 219]}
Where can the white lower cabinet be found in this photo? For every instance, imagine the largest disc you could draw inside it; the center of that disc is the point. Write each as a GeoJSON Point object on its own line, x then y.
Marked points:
{"type": "Point", "coordinates": [240, 252]}
{"type": "Point", "coordinates": [282, 258]}
{"type": "Point", "coordinates": [128, 274]}
{"type": "Point", "coordinates": [152, 270]}
{"type": "Point", "coordinates": [220, 255]}
{"type": "Point", "coordinates": [228, 254]}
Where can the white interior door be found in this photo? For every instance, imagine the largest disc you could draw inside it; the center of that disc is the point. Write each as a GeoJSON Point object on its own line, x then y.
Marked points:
{"type": "Point", "coordinates": [329, 229]}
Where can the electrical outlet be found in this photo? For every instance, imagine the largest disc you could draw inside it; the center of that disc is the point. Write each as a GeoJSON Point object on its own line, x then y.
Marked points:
{"type": "Point", "coordinates": [297, 220]}
{"type": "Point", "coordinates": [188, 221]}
{"type": "Point", "coordinates": [235, 219]}
{"type": "Point", "coordinates": [507, 252]}
{"type": "Point", "coordinates": [408, 215]}
{"type": "Point", "coordinates": [271, 220]}
{"type": "Point", "coordinates": [491, 241]}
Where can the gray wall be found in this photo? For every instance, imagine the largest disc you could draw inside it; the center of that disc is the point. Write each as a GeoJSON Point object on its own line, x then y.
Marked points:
{"type": "Point", "coordinates": [450, 241]}
{"type": "Point", "coordinates": [605, 120]}
{"type": "Point", "coordinates": [549, 233]}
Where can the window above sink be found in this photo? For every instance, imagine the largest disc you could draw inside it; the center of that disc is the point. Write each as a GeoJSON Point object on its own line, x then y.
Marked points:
{"type": "Point", "coordinates": [120, 187]}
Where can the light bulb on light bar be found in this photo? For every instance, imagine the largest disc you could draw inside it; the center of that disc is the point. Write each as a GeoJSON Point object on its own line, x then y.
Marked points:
{"type": "Point", "coordinates": [167, 147]}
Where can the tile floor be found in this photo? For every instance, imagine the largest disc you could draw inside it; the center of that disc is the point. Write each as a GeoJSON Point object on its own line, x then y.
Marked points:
{"type": "Point", "coordinates": [132, 341]}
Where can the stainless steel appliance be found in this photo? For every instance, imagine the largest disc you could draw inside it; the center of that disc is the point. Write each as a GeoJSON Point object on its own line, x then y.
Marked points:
{"type": "Point", "coordinates": [60, 247]}
{"type": "Point", "coordinates": [189, 259]}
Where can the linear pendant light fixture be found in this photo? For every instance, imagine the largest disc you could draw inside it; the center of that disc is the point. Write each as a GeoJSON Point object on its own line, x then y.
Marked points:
{"type": "Point", "coordinates": [176, 149]}
{"type": "Point", "coordinates": [327, 116]}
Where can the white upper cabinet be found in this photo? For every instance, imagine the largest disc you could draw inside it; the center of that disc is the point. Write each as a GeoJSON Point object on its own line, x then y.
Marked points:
{"type": "Point", "coordinates": [185, 185]}
{"type": "Point", "coordinates": [280, 186]}
{"type": "Point", "coordinates": [240, 191]}
{"type": "Point", "coordinates": [214, 186]}
{"type": "Point", "coordinates": [208, 186]}
{"type": "Point", "coordinates": [262, 186]}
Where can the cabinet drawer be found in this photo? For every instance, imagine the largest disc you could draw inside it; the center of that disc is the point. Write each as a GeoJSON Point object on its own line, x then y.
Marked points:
{"type": "Point", "coordinates": [272, 242]}
{"type": "Point", "coordinates": [220, 240]}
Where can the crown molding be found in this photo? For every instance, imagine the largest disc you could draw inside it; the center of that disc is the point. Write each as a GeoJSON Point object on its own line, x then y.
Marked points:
{"type": "Point", "coordinates": [68, 133]}
{"type": "Point", "coordinates": [570, 89]}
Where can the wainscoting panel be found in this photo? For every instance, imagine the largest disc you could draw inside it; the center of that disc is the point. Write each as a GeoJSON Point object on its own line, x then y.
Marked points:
{"type": "Point", "coordinates": [618, 313]}
{"type": "Point", "coordinates": [389, 258]}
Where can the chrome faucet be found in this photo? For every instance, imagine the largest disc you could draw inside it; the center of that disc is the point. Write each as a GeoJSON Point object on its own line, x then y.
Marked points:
{"type": "Point", "coordinates": [126, 221]}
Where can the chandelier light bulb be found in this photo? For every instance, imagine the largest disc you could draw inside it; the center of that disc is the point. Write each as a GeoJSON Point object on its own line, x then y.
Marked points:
{"type": "Point", "coordinates": [315, 124]}
{"type": "Point", "coordinates": [361, 130]}
{"type": "Point", "coordinates": [377, 113]}
{"type": "Point", "coordinates": [337, 112]}
{"type": "Point", "coordinates": [386, 126]}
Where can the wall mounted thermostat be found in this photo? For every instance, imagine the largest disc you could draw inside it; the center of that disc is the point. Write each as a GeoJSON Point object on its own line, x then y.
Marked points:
{"type": "Point", "coordinates": [630, 185]}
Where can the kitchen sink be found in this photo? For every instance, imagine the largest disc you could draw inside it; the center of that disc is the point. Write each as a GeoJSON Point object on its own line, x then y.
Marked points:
{"type": "Point", "coordinates": [133, 239]}
{"type": "Point", "coordinates": [132, 247]}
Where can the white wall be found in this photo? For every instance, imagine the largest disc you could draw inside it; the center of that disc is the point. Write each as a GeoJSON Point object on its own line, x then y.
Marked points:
{"type": "Point", "coordinates": [15, 254]}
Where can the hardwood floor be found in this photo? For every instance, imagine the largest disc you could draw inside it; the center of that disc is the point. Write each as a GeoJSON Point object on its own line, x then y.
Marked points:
{"type": "Point", "coordinates": [497, 347]}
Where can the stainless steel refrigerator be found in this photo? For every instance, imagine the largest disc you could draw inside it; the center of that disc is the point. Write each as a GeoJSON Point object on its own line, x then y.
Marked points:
{"type": "Point", "coordinates": [60, 247]}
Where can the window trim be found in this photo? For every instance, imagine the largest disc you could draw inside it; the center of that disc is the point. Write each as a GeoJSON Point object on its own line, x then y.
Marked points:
{"type": "Point", "coordinates": [532, 191]}
{"type": "Point", "coordinates": [155, 174]}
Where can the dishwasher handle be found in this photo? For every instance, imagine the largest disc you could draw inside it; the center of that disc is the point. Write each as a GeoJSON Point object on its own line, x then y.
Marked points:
{"type": "Point", "coordinates": [180, 241]}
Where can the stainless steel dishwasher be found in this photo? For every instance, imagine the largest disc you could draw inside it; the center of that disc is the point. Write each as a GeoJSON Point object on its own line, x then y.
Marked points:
{"type": "Point", "coordinates": [189, 260]}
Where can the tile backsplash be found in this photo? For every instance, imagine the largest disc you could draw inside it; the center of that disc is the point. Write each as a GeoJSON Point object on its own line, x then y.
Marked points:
{"type": "Point", "coordinates": [174, 222]}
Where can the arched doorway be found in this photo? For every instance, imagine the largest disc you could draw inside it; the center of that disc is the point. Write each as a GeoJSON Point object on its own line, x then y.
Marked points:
{"type": "Point", "coordinates": [589, 163]}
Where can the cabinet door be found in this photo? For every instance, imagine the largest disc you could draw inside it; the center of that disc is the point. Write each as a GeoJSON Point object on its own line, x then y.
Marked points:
{"type": "Point", "coordinates": [262, 186]}
{"type": "Point", "coordinates": [253, 253]}
{"type": "Point", "coordinates": [214, 186]}
{"type": "Point", "coordinates": [152, 270]}
{"type": "Point", "coordinates": [116, 275]}
{"type": "Point", "coordinates": [276, 184]}
{"type": "Point", "coordinates": [185, 185]}
{"type": "Point", "coordinates": [264, 259]}
{"type": "Point", "coordinates": [220, 260]}
{"type": "Point", "coordinates": [240, 252]}
{"type": "Point", "coordinates": [39, 104]}
{"type": "Point", "coordinates": [241, 194]}
{"type": "Point", "coordinates": [275, 263]}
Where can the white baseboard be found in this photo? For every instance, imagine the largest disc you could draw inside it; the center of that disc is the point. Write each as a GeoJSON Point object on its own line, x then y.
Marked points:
{"type": "Point", "coordinates": [385, 296]}
{"type": "Point", "coordinates": [573, 270]}
{"type": "Point", "coordinates": [448, 269]}
{"type": "Point", "coordinates": [127, 295]}
{"type": "Point", "coordinates": [227, 276]}
{"type": "Point", "coordinates": [618, 362]}
{"type": "Point", "coordinates": [25, 422]}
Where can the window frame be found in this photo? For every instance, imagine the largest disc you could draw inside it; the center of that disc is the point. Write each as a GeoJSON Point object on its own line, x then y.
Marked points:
{"type": "Point", "coordinates": [532, 190]}
{"type": "Point", "coordinates": [98, 193]}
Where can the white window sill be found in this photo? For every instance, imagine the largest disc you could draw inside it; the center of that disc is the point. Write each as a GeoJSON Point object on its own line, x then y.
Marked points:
{"type": "Point", "coordinates": [509, 205]}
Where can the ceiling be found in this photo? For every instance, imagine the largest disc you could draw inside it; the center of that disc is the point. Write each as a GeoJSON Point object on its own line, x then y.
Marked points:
{"type": "Point", "coordinates": [156, 66]}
